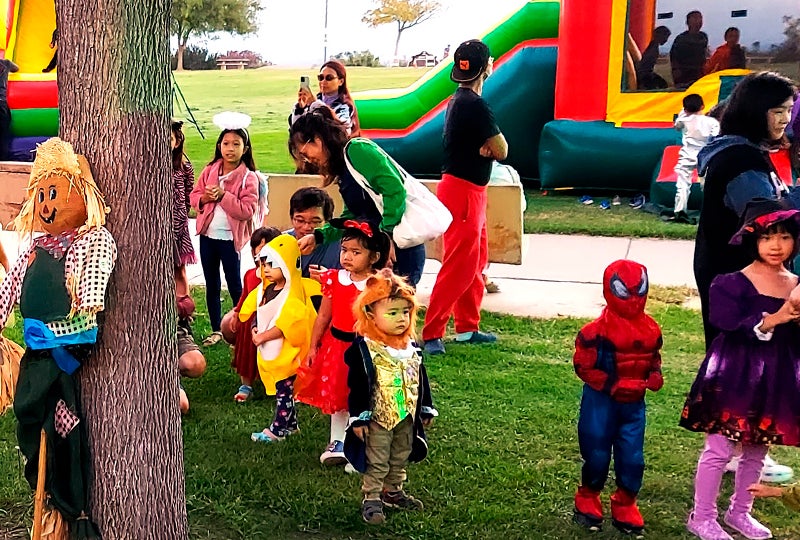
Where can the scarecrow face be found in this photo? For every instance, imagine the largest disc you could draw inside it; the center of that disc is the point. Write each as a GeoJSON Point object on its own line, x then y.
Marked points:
{"type": "Point", "coordinates": [57, 208]}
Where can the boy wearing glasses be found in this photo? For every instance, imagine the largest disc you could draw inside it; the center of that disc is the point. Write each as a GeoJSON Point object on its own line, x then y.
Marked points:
{"type": "Point", "coordinates": [309, 209]}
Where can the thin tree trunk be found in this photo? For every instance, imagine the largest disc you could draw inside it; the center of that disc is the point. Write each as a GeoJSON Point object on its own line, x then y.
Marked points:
{"type": "Point", "coordinates": [179, 55]}
{"type": "Point", "coordinates": [114, 96]}
{"type": "Point", "coordinates": [397, 41]}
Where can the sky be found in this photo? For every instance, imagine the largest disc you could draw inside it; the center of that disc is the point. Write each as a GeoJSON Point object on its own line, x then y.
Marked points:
{"type": "Point", "coordinates": [288, 37]}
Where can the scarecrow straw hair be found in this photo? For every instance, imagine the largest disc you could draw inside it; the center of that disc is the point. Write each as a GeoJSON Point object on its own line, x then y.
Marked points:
{"type": "Point", "coordinates": [55, 157]}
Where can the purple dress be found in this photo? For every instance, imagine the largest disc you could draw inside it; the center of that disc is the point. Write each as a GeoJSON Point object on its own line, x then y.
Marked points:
{"type": "Point", "coordinates": [747, 389]}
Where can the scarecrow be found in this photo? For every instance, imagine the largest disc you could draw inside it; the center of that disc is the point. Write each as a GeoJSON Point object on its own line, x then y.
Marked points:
{"type": "Point", "coordinates": [59, 282]}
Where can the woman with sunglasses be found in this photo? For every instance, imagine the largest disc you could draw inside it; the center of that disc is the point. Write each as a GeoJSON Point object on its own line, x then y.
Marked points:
{"type": "Point", "coordinates": [319, 140]}
{"type": "Point", "coordinates": [333, 92]}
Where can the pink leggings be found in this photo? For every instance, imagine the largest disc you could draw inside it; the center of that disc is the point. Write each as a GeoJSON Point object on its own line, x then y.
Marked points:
{"type": "Point", "coordinates": [716, 454]}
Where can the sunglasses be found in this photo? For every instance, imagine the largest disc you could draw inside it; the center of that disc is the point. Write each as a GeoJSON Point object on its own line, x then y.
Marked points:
{"type": "Point", "coordinates": [327, 77]}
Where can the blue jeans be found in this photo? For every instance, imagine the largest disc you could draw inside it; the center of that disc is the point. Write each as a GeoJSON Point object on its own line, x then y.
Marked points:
{"type": "Point", "coordinates": [410, 263]}
{"type": "Point", "coordinates": [604, 424]}
{"type": "Point", "coordinates": [212, 253]}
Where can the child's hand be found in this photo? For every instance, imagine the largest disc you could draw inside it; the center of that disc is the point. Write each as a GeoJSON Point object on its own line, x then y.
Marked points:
{"type": "Point", "coordinates": [794, 297]}
{"type": "Point", "coordinates": [315, 271]}
{"type": "Point", "coordinates": [360, 431]}
{"type": "Point", "coordinates": [258, 339]}
{"type": "Point", "coordinates": [312, 353]}
{"type": "Point", "coordinates": [762, 490]}
{"type": "Point", "coordinates": [234, 322]}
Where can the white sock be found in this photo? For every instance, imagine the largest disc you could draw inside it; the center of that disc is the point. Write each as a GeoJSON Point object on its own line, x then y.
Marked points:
{"type": "Point", "coordinates": [339, 425]}
{"type": "Point", "coordinates": [463, 336]}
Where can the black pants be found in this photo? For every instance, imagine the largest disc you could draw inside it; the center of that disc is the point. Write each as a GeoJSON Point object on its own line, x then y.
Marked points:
{"type": "Point", "coordinates": [5, 129]}
{"type": "Point", "coordinates": [212, 253]}
{"type": "Point", "coordinates": [42, 390]}
{"type": "Point", "coordinates": [52, 65]}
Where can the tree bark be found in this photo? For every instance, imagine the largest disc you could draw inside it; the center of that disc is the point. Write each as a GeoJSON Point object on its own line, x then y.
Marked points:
{"type": "Point", "coordinates": [114, 96]}
{"type": "Point", "coordinates": [179, 55]}
{"type": "Point", "coordinates": [397, 41]}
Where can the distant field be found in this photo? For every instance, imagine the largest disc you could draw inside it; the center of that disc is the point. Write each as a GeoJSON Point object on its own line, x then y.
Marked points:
{"type": "Point", "coordinates": [267, 95]}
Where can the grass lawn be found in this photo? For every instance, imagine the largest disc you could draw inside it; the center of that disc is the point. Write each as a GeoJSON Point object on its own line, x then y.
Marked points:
{"type": "Point", "coordinates": [563, 214]}
{"type": "Point", "coordinates": [503, 463]}
{"type": "Point", "coordinates": [268, 95]}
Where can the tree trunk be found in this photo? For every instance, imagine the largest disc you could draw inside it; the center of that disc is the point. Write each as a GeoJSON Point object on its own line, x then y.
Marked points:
{"type": "Point", "coordinates": [179, 55]}
{"type": "Point", "coordinates": [397, 41]}
{"type": "Point", "coordinates": [114, 96]}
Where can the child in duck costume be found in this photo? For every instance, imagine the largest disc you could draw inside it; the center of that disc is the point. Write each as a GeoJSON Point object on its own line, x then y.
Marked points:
{"type": "Point", "coordinates": [284, 321]}
{"type": "Point", "coordinates": [60, 282]}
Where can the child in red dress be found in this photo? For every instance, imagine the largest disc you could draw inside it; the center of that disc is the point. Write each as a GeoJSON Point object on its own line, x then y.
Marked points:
{"type": "Point", "coordinates": [322, 379]}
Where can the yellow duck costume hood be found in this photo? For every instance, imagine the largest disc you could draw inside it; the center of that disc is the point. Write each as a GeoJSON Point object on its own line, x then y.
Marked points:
{"type": "Point", "coordinates": [291, 311]}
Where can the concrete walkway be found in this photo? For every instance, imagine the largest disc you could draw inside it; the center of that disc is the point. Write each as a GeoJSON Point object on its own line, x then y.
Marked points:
{"type": "Point", "coordinates": [561, 275]}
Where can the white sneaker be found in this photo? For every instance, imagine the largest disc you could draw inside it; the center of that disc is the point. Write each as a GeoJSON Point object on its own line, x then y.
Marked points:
{"type": "Point", "coordinates": [349, 469]}
{"type": "Point", "coordinates": [733, 464]}
{"type": "Point", "coordinates": [773, 472]}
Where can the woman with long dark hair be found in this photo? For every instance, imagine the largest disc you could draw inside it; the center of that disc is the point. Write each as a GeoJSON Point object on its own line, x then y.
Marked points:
{"type": "Point", "coordinates": [319, 140]}
{"type": "Point", "coordinates": [737, 169]}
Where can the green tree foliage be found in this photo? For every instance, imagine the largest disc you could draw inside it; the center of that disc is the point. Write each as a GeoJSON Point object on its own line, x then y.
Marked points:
{"type": "Point", "coordinates": [363, 58]}
{"type": "Point", "coordinates": [789, 50]}
{"type": "Point", "coordinates": [195, 58]}
{"type": "Point", "coordinates": [405, 13]}
{"type": "Point", "coordinates": [199, 17]}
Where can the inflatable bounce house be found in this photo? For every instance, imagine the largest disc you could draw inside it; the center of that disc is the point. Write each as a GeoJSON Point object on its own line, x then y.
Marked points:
{"type": "Point", "coordinates": [564, 94]}
{"type": "Point", "coordinates": [32, 94]}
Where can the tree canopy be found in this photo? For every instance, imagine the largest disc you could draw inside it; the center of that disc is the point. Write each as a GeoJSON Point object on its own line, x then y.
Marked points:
{"type": "Point", "coordinates": [198, 17]}
{"type": "Point", "coordinates": [406, 13]}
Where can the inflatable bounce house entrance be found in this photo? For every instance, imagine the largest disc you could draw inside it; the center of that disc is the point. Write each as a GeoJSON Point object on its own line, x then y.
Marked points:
{"type": "Point", "coordinates": [32, 94]}
{"type": "Point", "coordinates": [564, 92]}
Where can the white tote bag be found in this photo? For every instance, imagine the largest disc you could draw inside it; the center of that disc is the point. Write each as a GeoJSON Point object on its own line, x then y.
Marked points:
{"type": "Point", "coordinates": [424, 218]}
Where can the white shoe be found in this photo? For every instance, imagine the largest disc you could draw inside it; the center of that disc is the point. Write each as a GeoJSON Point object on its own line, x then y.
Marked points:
{"type": "Point", "coordinates": [772, 472]}
{"type": "Point", "coordinates": [349, 469]}
{"type": "Point", "coordinates": [733, 464]}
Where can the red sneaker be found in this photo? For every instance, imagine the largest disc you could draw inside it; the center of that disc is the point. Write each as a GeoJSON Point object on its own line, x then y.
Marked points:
{"type": "Point", "coordinates": [588, 510]}
{"type": "Point", "coordinates": [625, 515]}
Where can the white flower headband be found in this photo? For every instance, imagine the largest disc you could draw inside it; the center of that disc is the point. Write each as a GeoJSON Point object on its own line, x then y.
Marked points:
{"type": "Point", "coordinates": [229, 120]}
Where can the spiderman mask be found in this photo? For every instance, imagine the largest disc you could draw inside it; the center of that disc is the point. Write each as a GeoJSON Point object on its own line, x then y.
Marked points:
{"type": "Point", "coordinates": [625, 287]}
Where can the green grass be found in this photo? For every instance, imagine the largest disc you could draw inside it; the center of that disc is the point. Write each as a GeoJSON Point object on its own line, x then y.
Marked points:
{"type": "Point", "coordinates": [563, 214]}
{"type": "Point", "coordinates": [503, 463]}
{"type": "Point", "coordinates": [268, 95]}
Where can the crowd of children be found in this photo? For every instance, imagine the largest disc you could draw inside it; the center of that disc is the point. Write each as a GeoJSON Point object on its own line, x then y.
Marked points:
{"type": "Point", "coordinates": [334, 329]}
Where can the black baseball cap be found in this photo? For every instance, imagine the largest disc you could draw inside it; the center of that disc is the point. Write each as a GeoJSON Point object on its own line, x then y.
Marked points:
{"type": "Point", "coordinates": [469, 60]}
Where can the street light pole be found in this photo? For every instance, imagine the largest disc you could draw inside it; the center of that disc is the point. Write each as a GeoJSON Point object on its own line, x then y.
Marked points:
{"type": "Point", "coordinates": [325, 36]}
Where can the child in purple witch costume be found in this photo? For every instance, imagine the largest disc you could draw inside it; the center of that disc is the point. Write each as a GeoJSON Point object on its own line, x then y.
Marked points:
{"type": "Point", "coordinates": [748, 390]}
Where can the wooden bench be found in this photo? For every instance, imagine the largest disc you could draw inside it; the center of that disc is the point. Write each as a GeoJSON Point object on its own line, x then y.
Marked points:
{"type": "Point", "coordinates": [504, 214]}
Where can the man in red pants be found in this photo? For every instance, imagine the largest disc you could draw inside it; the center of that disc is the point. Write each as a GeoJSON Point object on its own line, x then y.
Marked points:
{"type": "Point", "coordinates": [472, 141]}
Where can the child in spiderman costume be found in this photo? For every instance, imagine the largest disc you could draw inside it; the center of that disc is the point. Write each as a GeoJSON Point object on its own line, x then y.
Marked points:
{"type": "Point", "coordinates": [617, 357]}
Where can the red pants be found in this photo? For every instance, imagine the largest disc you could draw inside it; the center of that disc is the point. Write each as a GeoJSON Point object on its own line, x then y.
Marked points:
{"type": "Point", "coordinates": [459, 285]}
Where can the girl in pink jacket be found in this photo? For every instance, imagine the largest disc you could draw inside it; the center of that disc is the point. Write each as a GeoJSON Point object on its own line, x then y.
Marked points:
{"type": "Point", "coordinates": [226, 200]}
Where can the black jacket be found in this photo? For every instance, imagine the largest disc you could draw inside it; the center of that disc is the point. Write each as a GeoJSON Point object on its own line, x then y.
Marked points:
{"type": "Point", "coordinates": [361, 381]}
